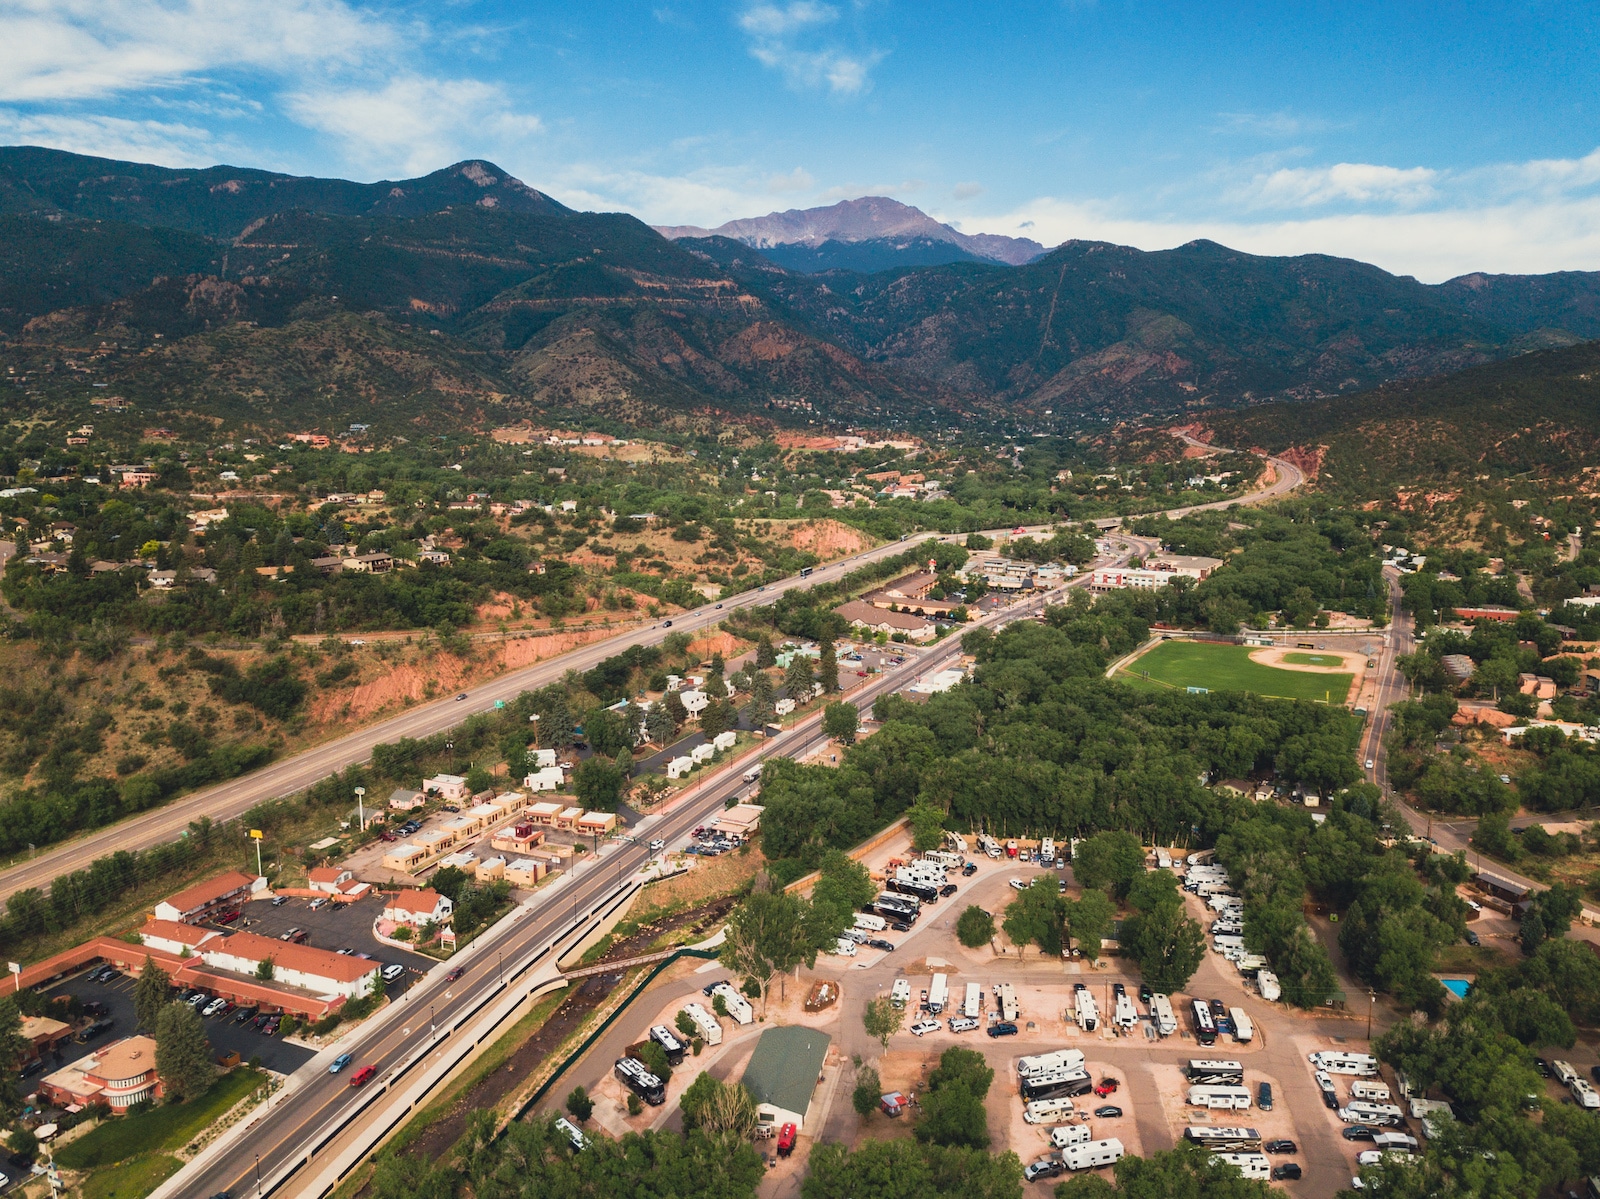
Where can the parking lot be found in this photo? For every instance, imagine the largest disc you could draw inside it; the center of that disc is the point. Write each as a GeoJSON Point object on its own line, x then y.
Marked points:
{"type": "Point", "coordinates": [335, 926]}
{"type": "Point", "coordinates": [275, 1053]}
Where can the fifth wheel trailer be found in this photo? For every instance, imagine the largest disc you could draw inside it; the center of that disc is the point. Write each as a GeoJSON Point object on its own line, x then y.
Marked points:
{"type": "Point", "coordinates": [709, 1026]}
{"type": "Point", "coordinates": [1093, 1155]}
{"type": "Point", "coordinates": [938, 993]}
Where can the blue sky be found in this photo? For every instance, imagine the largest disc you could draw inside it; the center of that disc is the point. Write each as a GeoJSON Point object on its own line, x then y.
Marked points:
{"type": "Point", "coordinates": [1431, 139]}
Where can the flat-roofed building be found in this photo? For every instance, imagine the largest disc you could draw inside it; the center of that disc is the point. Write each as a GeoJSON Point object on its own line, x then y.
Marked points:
{"type": "Point", "coordinates": [404, 857]}
{"type": "Point", "coordinates": [526, 872]}
{"type": "Point", "coordinates": [596, 824]}
{"type": "Point", "coordinates": [545, 813]}
{"type": "Point", "coordinates": [568, 818]}
{"type": "Point", "coordinates": [1193, 566]}
{"type": "Point", "coordinates": [451, 787]}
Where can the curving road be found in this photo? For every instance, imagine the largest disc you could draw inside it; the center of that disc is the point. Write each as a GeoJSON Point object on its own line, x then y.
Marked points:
{"type": "Point", "coordinates": [229, 800]}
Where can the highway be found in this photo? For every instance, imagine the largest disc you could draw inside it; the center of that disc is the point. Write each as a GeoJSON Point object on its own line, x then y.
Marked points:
{"type": "Point", "coordinates": [282, 1135]}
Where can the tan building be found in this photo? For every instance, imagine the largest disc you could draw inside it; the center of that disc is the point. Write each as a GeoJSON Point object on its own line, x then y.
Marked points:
{"type": "Point", "coordinates": [526, 872]}
{"type": "Point", "coordinates": [119, 1076]}
{"type": "Point", "coordinates": [596, 824]}
{"type": "Point", "coordinates": [881, 620]}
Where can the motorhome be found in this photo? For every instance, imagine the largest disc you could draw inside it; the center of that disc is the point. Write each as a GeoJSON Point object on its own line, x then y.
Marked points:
{"type": "Point", "coordinates": [1237, 1140]}
{"type": "Point", "coordinates": [900, 993]}
{"type": "Point", "coordinates": [926, 892]}
{"type": "Point", "coordinates": [664, 1037]}
{"type": "Point", "coordinates": [1047, 851]}
{"type": "Point", "coordinates": [1214, 1072]}
{"type": "Point", "coordinates": [1125, 1014]}
{"type": "Point", "coordinates": [1395, 1140]}
{"type": "Point", "coordinates": [1007, 995]}
{"type": "Point", "coordinates": [972, 1006]}
{"type": "Point", "coordinates": [873, 924]}
{"type": "Point", "coordinates": [1243, 1029]}
{"type": "Point", "coordinates": [844, 947]}
{"type": "Point", "coordinates": [1251, 1165]}
{"type": "Point", "coordinates": [1161, 1009]}
{"type": "Point", "coordinates": [1373, 1092]}
{"type": "Point", "coordinates": [568, 1129]}
{"type": "Point", "coordinates": [1224, 943]}
{"type": "Point", "coordinates": [1236, 1098]}
{"type": "Point", "coordinates": [1084, 1009]}
{"type": "Point", "coordinates": [632, 1074]}
{"type": "Point", "coordinates": [938, 993]}
{"type": "Point", "coordinates": [1042, 1111]}
{"type": "Point", "coordinates": [709, 1027]}
{"type": "Point", "coordinates": [942, 859]}
{"type": "Point", "coordinates": [956, 842]}
{"type": "Point", "coordinates": [1205, 1029]}
{"type": "Point", "coordinates": [1055, 1084]}
{"type": "Point", "coordinates": [1584, 1094]}
{"type": "Point", "coordinates": [1361, 1064]}
{"type": "Point", "coordinates": [989, 845]}
{"type": "Point", "coordinates": [739, 1009]}
{"type": "Point", "coordinates": [1065, 1135]}
{"type": "Point", "coordinates": [1267, 986]}
{"type": "Point", "coordinates": [1358, 1111]}
{"type": "Point", "coordinates": [1039, 1063]}
{"type": "Point", "coordinates": [1093, 1154]}
{"type": "Point", "coordinates": [1564, 1071]}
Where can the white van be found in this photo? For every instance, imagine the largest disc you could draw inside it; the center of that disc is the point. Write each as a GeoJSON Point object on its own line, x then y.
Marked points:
{"type": "Point", "coordinates": [1244, 1030]}
{"type": "Point", "coordinates": [1362, 1064]}
{"type": "Point", "coordinates": [1042, 1111]}
{"type": "Point", "coordinates": [1161, 1009]}
{"type": "Point", "coordinates": [1372, 1092]}
{"type": "Point", "coordinates": [1065, 1135]}
{"type": "Point", "coordinates": [972, 1008]}
{"type": "Point", "coordinates": [1227, 1098]}
{"type": "Point", "coordinates": [900, 993]}
{"type": "Point", "coordinates": [1251, 1165]}
{"type": "Point", "coordinates": [1043, 1063]}
{"type": "Point", "coordinates": [1093, 1154]}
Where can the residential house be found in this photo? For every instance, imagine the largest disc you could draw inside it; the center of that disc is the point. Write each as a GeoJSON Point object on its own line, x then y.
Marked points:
{"type": "Point", "coordinates": [418, 907]}
{"type": "Point", "coordinates": [404, 800]}
{"type": "Point", "coordinates": [328, 878]}
{"type": "Point", "coordinates": [451, 787]}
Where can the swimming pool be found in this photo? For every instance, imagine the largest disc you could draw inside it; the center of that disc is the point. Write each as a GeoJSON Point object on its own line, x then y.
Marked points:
{"type": "Point", "coordinates": [1457, 986]}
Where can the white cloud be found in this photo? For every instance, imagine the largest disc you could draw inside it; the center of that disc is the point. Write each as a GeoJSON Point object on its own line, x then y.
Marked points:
{"type": "Point", "coordinates": [966, 191]}
{"type": "Point", "coordinates": [777, 40]}
{"type": "Point", "coordinates": [1358, 182]}
{"type": "Point", "coordinates": [163, 142]}
{"type": "Point", "coordinates": [1523, 238]}
{"type": "Point", "coordinates": [1269, 124]}
{"type": "Point", "coordinates": [81, 49]}
{"type": "Point", "coordinates": [413, 124]}
{"type": "Point", "coordinates": [797, 180]}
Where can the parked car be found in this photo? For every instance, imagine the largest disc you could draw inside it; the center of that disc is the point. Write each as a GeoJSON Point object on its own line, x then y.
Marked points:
{"type": "Point", "coordinates": [880, 943]}
{"type": "Point", "coordinates": [1109, 1112]}
{"type": "Point", "coordinates": [899, 926]}
{"type": "Point", "coordinates": [1359, 1132]}
{"type": "Point", "coordinates": [214, 1008]}
{"type": "Point", "coordinates": [1286, 1171]}
{"type": "Point", "coordinates": [279, 900]}
{"type": "Point", "coordinates": [1282, 1145]}
{"type": "Point", "coordinates": [1017, 884]}
{"type": "Point", "coordinates": [229, 916]}
{"type": "Point", "coordinates": [1003, 1029]}
{"type": "Point", "coordinates": [288, 934]}
{"type": "Point", "coordinates": [1107, 1086]}
{"type": "Point", "coordinates": [1471, 937]}
{"type": "Point", "coordinates": [970, 869]}
{"type": "Point", "coordinates": [392, 971]}
{"type": "Point", "coordinates": [923, 1027]}
{"type": "Point", "coordinates": [1045, 1167]}
{"type": "Point", "coordinates": [244, 1015]}
{"type": "Point", "coordinates": [962, 1024]}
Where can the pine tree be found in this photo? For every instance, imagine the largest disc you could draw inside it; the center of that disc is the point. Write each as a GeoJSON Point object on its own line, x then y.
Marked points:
{"type": "Point", "coordinates": [798, 679]}
{"type": "Point", "coordinates": [765, 655]}
{"type": "Point", "coordinates": [761, 693]}
{"type": "Point", "coordinates": [183, 1055]}
{"type": "Point", "coordinates": [151, 993]}
{"type": "Point", "coordinates": [828, 667]}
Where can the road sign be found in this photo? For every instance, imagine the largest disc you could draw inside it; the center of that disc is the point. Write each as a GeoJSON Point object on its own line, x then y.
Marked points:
{"type": "Point", "coordinates": [256, 834]}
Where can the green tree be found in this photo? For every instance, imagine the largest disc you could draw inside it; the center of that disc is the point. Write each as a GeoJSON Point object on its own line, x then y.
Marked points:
{"type": "Point", "coordinates": [266, 970]}
{"type": "Point", "coordinates": [882, 1020]}
{"type": "Point", "coordinates": [655, 1060]}
{"type": "Point", "coordinates": [765, 655]}
{"type": "Point", "coordinates": [579, 1106]}
{"type": "Point", "coordinates": [479, 779]}
{"type": "Point", "coordinates": [1088, 920]}
{"type": "Point", "coordinates": [975, 928]}
{"type": "Point", "coordinates": [844, 885]}
{"type": "Point", "coordinates": [1037, 916]}
{"type": "Point", "coordinates": [762, 699]}
{"type": "Point", "coordinates": [598, 784]}
{"type": "Point", "coordinates": [840, 721]}
{"type": "Point", "coordinates": [1182, 1173]}
{"type": "Point", "coordinates": [13, 1046]}
{"type": "Point", "coordinates": [1160, 935]}
{"type": "Point", "coordinates": [952, 1105]}
{"type": "Point", "coordinates": [905, 1169]}
{"type": "Point", "coordinates": [868, 1093]}
{"type": "Point", "coordinates": [768, 933]}
{"type": "Point", "coordinates": [927, 827]}
{"type": "Point", "coordinates": [659, 725]}
{"type": "Point", "coordinates": [1549, 916]}
{"type": "Point", "coordinates": [151, 994]}
{"type": "Point", "coordinates": [719, 1109]}
{"type": "Point", "coordinates": [1108, 861]}
{"type": "Point", "coordinates": [685, 1025]}
{"type": "Point", "coordinates": [183, 1055]}
{"type": "Point", "coordinates": [828, 667]}
{"type": "Point", "coordinates": [799, 679]}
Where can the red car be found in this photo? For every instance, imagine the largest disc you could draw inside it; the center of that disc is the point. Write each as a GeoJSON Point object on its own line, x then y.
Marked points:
{"type": "Point", "coordinates": [363, 1076]}
{"type": "Point", "coordinates": [228, 917]}
{"type": "Point", "coordinates": [786, 1136]}
{"type": "Point", "coordinates": [1108, 1086]}
{"type": "Point", "coordinates": [453, 975]}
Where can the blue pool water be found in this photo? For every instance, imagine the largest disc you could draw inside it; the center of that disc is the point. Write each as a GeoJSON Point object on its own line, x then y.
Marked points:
{"type": "Point", "coordinates": [1456, 986]}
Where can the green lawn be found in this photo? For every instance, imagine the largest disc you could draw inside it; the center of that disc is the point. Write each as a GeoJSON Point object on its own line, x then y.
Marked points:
{"type": "Point", "coordinates": [134, 1180]}
{"type": "Point", "coordinates": [170, 1126]}
{"type": "Point", "coordinates": [1301, 658]}
{"type": "Point", "coordinates": [1180, 664]}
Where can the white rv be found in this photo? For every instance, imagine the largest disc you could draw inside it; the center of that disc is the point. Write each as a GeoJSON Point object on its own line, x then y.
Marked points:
{"type": "Point", "coordinates": [989, 845]}
{"type": "Point", "coordinates": [709, 1027]}
{"type": "Point", "coordinates": [1007, 995]}
{"type": "Point", "coordinates": [900, 993]}
{"type": "Point", "coordinates": [1065, 1135]}
{"type": "Point", "coordinates": [1267, 986]}
{"type": "Point", "coordinates": [1125, 1015]}
{"type": "Point", "coordinates": [1093, 1154]}
{"type": "Point", "coordinates": [1363, 1065]}
{"type": "Point", "coordinates": [1084, 1009]}
{"type": "Point", "coordinates": [873, 924]}
{"type": "Point", "coordinates": [956, 842]}
{"type": "Point", "coordinates": [845, 947]}
{"type": "Point", "coordinates": [1042, 1063]}
{"type": "Point", "coordinates": [1372, 1092]}
{"type": "Point", "coordinates": [1358, 1111]}
{"type": "Point", "coordinates": [1243, 1029]}
{"type": "Point", "coordinates": [1227, 1098]}
{"type": "Point", "coordinates": [972, 1008]}
{"type": "Point", "coordinates": [1042, 1111]}
{"type": "Point", "coordinates": [1047, 850]}
{"type": "Point", "coordinates": [739, 1009]}
{"type": "Point", "coordinates": [1161, 1010]}
{"type": "Point", "coordinates": [938, 994]}
{"type": "Point", "coordinates": [1251, 1165]}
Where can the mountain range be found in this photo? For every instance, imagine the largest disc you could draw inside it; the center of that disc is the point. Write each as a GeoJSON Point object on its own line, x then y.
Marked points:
{"type": "Point", "coordinates": [465, 295]}
{"type": "Point", "coordinates": [872, 233]}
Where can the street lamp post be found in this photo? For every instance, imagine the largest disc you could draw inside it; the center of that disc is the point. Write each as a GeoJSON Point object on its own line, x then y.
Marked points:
{"type": "Point", "coordinates": [361, 807]}
{"type": "Point", "coordinates": [258, 1176]}
{"type": "Point", "coordinates": [1372, 998]}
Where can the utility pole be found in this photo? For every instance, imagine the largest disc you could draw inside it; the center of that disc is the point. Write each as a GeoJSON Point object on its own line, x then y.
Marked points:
{"type": "Point", "coordinates": [1372, 998]}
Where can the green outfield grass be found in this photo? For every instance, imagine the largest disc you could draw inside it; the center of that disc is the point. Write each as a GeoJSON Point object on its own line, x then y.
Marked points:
{"type": "Point", "coordinates": [1180, 664]}
{"type": "Point", "coordinates": [1301, 658]}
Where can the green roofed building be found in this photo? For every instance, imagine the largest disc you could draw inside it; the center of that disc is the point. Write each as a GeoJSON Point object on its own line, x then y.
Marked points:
{"type": "Point", "coordinates": [784, 1071]}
